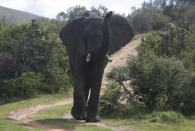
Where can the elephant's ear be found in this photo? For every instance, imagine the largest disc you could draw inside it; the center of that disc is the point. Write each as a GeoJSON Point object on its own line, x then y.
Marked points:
{"type": "Point", "coordinates": [72, 38]}
{"type": "Point", "coordinates": [121, 33]}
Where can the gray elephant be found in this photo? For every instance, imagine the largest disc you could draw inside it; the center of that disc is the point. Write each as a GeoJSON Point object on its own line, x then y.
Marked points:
{"type": "Point", "coordinates": [89, 40]}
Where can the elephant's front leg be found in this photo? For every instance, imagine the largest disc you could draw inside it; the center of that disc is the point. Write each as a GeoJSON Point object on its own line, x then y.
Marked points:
{"type": "Point", "coordinates": [79, 103]}
{"type": "Point", "coordinates": [97, 70]}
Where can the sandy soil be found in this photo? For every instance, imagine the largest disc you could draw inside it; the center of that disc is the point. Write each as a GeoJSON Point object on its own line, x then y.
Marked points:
{"type": "Point", "coordinates": [25, 115]}
{"type": "Point", "coordinates": [119, 58]}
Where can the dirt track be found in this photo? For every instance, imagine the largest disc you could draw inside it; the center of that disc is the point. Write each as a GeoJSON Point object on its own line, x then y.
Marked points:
{"type": "Point", "coordinates": [25, 115]}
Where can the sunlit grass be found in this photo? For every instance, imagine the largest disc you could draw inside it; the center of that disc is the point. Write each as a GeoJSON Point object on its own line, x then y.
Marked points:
{"type": "Point", "coordinates": [154, 122]}
{"type": "Point", "coordinates": [53, 116]}
{"type": "Point", "coordinates": [7, 125]}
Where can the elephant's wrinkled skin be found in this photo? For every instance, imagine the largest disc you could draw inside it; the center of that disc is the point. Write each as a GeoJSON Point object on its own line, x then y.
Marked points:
{"type": "Point", "coordinates": [88, 41]}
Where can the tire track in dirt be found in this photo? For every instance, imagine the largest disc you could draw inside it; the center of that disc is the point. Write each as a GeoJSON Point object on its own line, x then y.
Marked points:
{"type": "Point", "coordinates": [25, 115]}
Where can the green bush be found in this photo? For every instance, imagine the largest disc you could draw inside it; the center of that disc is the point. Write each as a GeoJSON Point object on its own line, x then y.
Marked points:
{"type": "Point", "coordinates": [171, 117]}
{"type": "Point", "coordinates": [189, 15]}
{"type": "Point", "coordinates": [109, 102]}
{"type": "Point", "coordinates": [147, 19]}
{"type": "Point", "coordinates": [188, 106]}
{"type": "Point", "coordinates": [177, 40]}
{"type": "Point", "coordinates": [25, 86]}
{"type": "Point", "coordinates": [159, 81]}
{"type": "Point", "coordinates": [30, 51]}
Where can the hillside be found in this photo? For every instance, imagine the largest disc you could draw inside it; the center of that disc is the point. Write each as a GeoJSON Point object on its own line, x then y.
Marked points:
{"type": "Point", "coordinates": [12, 16]}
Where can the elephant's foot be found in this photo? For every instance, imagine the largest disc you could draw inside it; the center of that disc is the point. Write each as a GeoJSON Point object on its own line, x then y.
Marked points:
{"type": "Point", "coordinates": [93, 119]}
{"type": "Point", "coordinates": [78, 116]}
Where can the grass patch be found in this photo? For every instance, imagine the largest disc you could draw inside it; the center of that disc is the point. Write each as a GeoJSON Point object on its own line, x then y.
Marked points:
{"type": "Point", "coordinates": [90, 128]}
{"type": "Point", "coordinates": [171, 117]}
{"type": "Point", "coordinates": [157, 121]}
{"type": "Point", "coordinates": [142, 120]}
{"type": "Point", "coordinates": [7, 125]}
{"type": "Point", "coordinates": [53, 116]}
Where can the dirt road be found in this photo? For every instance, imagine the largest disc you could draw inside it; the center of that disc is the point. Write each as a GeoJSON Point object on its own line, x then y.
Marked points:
{"type": "Point", "coordinates": [25, 115]}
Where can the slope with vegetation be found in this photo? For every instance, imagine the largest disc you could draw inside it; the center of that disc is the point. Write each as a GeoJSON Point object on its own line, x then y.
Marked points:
{"type": "Point", "coordinates": [161, 76]}
{"type": "Point", "coordinates": [154, 91]}
{"type": "Point", "coordinates": [12, 16]}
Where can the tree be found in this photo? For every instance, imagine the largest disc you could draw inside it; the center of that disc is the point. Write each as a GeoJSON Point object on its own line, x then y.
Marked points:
{"type": "Point", "coordinates": [75, 12]}
{"type": "Point", "coordinates": [61, 16]}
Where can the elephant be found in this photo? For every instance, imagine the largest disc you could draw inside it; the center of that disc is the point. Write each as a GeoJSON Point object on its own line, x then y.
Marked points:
{"type": "Point", "coordinates": [89, 40]}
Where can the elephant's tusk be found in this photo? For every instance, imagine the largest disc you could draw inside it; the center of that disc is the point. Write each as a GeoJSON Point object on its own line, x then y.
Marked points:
{"type": "Point", "coordinates": [88, 58]}
{"type": "Point", "coordinates": [108, 57]}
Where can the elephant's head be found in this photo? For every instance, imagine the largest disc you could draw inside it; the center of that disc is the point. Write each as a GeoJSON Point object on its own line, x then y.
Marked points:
{"type": "Point", "coordinates": [96, 36]}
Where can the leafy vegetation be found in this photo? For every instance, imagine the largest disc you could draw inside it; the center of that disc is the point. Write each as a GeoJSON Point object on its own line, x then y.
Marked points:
{"type": "Point", "coordinates": [159, 80]}
{"type": "Point", "coordinates": [33, 61]}
{"type": "Point", "coordinates": [155, 90]}
{"type": "Point", "coordinates": [157, 121]}
{"type": "Point", "coordinates": [156, 14]}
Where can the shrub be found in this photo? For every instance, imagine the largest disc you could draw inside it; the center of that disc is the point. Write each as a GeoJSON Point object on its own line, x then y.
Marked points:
{"type": "Point", "coordinates": [146, 19]}
{"type": "Point", "coordinates": [171, 117]}
{"type": "Point", "coordinates": [25, 86]}
{"type": "Point", "coordinates": [159, 81]}
{"type": "Point", "coordinates": [109, 102]}
{"type": "Point", "coordinates": [177, 40]}
{"type": "Point", "coordinates": [188, 106]}
{"type": "Point", "coordinates": [31, 53]}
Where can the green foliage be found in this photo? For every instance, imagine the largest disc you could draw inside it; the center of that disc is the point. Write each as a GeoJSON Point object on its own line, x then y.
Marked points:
{"type": "Point", "coordinates": [72, 13]}
{"type": "Point", "coordinates": [189, 15]}
{"type": "Point", "coordinates": [31, 52]}
{"type": "Point", "coordinates": [102, 10]}
{"type": "Point", "coordinates": [162, 75]}
{"type": "Point", "coordinates": [159, 81]}
{"type": "Point", "coordinates": [25, 86]}
{"type": "Point", "coordinates": [109, 102]}
{"type": "Point", "coordinates": [189, 97]}
{"type": "Point", "coordinates": [177, 41]}
{"type": "Point", "coordinates": [51, 25]}
{"type": "Point", "coordinates": [171, 117]}
{"type": "Point", "coordinates": [146, 19]}
{"type": "Point", "coordinates": [156, 14]}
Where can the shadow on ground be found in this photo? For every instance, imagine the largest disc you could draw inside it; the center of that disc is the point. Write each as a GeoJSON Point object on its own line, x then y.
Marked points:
{"type": "Point", "coordinates": [59, 122]}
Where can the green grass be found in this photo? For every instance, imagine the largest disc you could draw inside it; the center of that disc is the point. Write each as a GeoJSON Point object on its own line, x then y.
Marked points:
{"type": "Point", "coordinates": [7, 125]}
{"type": "Point", "coordinates": [155, 122]}
{"type": "Point", "coordinates": [53, 116]}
